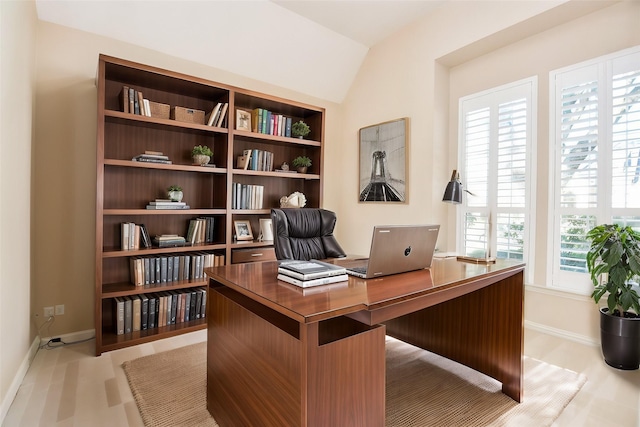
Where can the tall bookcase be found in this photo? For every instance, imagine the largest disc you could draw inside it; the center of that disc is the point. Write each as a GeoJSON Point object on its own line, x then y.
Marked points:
{"type": "Point", "coordinates": [125, 187]}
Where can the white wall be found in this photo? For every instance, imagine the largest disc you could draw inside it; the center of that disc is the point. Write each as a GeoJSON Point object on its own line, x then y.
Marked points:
{"type": "Point", "coordinates": [463, 49]}
{"type": "Point", "coordinates": [17, 33]}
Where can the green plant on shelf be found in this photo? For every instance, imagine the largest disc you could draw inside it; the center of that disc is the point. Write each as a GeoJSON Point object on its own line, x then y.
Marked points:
{"type": "Point", "coordinates": [300, 129]}
{"type": "Point", "coordinates": [201, 150]}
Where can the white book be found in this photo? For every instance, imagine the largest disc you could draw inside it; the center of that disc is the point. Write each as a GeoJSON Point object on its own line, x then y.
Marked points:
{"type": "Point", "coordinates": [314, 282]}
{"type": "Point", "coordinates": [308, 270]}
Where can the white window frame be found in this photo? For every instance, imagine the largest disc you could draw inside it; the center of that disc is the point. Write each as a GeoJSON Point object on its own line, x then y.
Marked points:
{"type": "Point", "coordinates": [603, 68]}
{"type": "Point", "coordinates": [528, 89]}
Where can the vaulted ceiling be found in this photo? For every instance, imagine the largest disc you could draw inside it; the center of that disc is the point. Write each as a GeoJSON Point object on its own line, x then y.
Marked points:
{"type": "Point", "coordinates": [313, 47]}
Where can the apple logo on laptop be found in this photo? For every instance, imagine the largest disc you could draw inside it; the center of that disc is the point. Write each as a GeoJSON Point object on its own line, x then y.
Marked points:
{"type": "Point", "coordinates": [407, 251]}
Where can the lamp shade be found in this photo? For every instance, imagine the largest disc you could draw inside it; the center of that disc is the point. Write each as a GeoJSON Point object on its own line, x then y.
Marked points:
{"type": "Point", "coordinates": [453, 192]}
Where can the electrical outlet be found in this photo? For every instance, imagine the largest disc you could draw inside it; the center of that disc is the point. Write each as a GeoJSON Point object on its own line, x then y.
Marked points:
{"type": "Point", "coordinates": [48, 312]}
{"type": "Point", "coordinates": [59, 310]}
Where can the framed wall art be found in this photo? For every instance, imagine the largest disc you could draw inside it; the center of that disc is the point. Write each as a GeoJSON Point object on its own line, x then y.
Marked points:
{"type": "Point", "coordinates": [383, 162]}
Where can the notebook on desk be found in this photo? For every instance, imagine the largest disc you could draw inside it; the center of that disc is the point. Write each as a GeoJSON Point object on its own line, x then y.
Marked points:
{"type": "Point", "coordinates": [397, 249]}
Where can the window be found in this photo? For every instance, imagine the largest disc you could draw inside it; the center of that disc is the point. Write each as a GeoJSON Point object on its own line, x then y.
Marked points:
{"type": "Point", "coordinates": [595, 158]}
{"type": "Point", "coordinates": [496, 142]}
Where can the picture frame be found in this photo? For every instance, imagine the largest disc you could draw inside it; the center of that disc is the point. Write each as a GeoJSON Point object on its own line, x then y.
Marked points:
{"type": "Point", "coordinates": [383, 157]}
{"type": "Point", "coordinates": [243, 230]}
{"type": "Point", "coordinates": [243, 120]}
{"type": "Point", "coordinates": [266, 230]}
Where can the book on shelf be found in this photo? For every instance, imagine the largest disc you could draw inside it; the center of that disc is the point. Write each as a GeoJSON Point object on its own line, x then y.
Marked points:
{"type": "Point", "coordinates": [308, 270]}
{"type": "Point", "coordinates": [128, 314]}
{"type": "Point", "coordinates": [214, 115]}
{"type": "Point", "coordinates": [223, 114]}
{"type": "Point", "coordinates": [129, 236]}
{"type": "Point", "coordinates": [144, 236]}
{"type": "Point", "coordinates": [124, 99]}
{"type": "Point", "coordinates": [118, 315]}
{"type": "Point", "coordinates": [313, 282]}
{"type": "Point", "coordinates": [152, 157]}
{"type": "Point", "coordinates": [168, 240]}
{"type": "Point", "coordinates": [133, 102]}
{"type": "Point", "coordinates": [137, 313]}
{"type": "Point", "coordinates": [166, 202]}
{"type": "Point", "coordinates": [247, 196]}
{"type": "Point", "coordinates": [172, 205]}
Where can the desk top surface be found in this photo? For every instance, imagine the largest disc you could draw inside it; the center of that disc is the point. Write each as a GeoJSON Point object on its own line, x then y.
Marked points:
{"type": "Point", "coordinates": [259, 282]}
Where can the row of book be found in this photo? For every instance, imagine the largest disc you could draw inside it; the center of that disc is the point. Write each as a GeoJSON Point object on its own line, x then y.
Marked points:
{"type": "Point", "coordinates": [201, 230]}
{"type": "Point", "coordinates": [132, 235]}
{"type": "Point", "coordinates": [310, 273]}
{"type": "Point", "coordinates": [256, 160]}
{"type": "Point", "coordinates": [134, 102]}
{"type": "Point", "coordinates": [218, 115]}
{"type": "Point", "coordinates": [152, 157]}
{"type": "Point", "coordinates": [264, 121]}
{"type": "Point", "coordinates": [247, 196]}
{"type": "Point", "coordinates": [148, 311]}
{"type": "Point", "coordinates": [168, 268]}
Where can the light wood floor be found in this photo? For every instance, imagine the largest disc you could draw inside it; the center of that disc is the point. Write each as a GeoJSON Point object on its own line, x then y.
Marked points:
{"type": "Point", "coordinates": [69, 386]}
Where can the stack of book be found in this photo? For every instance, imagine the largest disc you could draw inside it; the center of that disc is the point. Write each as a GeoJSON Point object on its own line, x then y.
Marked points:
{"type": "Point", "coordinates": [169, 240]}
{"type": "Point", "coordinates": [152, 157]}
{"type": "Point", "coordinates": [167, 204]}
{"type": "Point", "coordinates": [310, 273]}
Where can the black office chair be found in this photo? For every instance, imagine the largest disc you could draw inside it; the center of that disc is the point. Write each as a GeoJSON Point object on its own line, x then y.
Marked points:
{"type": "Point", "coordinates": [301, 233]}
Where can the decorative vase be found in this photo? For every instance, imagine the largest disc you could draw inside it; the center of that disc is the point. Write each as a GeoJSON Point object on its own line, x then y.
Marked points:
{"type": "Point", "coordinates": [201, 159]}
{"type": "Point", "coordinates": [176, 196]}
{"type": "Point", "coordinates": [302, 169]}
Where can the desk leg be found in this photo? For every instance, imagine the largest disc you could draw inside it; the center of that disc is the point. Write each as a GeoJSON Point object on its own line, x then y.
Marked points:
{"type": "Point", "coordinates": [483, 330]}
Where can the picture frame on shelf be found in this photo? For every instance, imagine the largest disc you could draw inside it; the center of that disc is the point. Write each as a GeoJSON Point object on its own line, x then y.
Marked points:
{"type": "Point", "coordinates": [243, 230]}
{"type": "Point", "coordinates": [243, 120]}
{"type": "Point", "coordinates": [383, 162]}
{"type": "Point", "coordinates": [266, 230]}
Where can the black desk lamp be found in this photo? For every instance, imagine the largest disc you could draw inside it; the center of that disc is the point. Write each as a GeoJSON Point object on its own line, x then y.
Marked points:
{"type": "Point", "coordinates": [453, 192]}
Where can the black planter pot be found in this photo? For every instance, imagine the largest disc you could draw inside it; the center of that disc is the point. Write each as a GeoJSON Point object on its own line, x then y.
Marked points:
{"type": "Point", "coordinates": [620, 338]}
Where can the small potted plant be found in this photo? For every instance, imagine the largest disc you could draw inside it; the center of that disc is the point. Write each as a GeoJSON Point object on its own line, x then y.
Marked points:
{"type": "Point", "coordinates": [301, 163]}
{"type": "Point", "coordinates": [300, 129]}
{"type": "Point", "coordinates": [201, 155]}
{"type": "Point", "coordinates": [174, 192]}
{"type": "Point", "coordinates": [613, 260]}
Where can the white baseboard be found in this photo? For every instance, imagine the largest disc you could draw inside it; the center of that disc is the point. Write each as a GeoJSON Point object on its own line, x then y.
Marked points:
{"type": "Point", "coordinates": [561, 333]}
{"type": "Point", "coordinates": [18, 378]}
{"type": "Point", "coordinates": [72, 337]}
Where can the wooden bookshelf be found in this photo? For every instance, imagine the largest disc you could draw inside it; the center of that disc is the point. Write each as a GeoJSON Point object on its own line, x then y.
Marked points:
{"type": "Point", "coordinates": [124, 187]}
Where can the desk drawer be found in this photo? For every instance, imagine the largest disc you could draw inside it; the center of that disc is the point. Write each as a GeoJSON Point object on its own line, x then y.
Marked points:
{"type": "Point", "coordinates": [253, 255]}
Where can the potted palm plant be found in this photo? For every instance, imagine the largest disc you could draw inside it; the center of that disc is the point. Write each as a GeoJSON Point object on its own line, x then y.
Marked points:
{"type": "Point", "coordinates": [613, 261]}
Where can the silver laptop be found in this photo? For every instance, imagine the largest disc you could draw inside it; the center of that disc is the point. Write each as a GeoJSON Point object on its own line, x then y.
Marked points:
{"type": "Point", "coordinates": [397, 249]}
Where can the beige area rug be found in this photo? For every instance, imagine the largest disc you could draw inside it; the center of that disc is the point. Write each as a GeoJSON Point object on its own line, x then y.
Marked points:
{"type": "Point", "coordinates": [423, 389]}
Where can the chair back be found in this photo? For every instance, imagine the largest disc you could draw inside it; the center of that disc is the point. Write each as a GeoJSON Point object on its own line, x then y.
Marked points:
{"type": "Point", "coordinates": [304, 233]}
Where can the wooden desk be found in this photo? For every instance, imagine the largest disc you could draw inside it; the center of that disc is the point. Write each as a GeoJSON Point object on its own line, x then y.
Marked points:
{"type": "Point", "coordinates": [279, 355]}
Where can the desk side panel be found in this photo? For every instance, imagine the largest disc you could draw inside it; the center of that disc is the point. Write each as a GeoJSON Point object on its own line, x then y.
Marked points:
{"type": "Point", "coordinates": [253, 367]}
{"type": "Point", "coordinates": [347, 375]}
{"type": "Point", "coordinates": [482, 329]}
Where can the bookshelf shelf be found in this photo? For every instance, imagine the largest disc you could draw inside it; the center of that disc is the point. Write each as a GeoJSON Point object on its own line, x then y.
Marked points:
{"type": "Point", "coordinates": [125, 187]}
